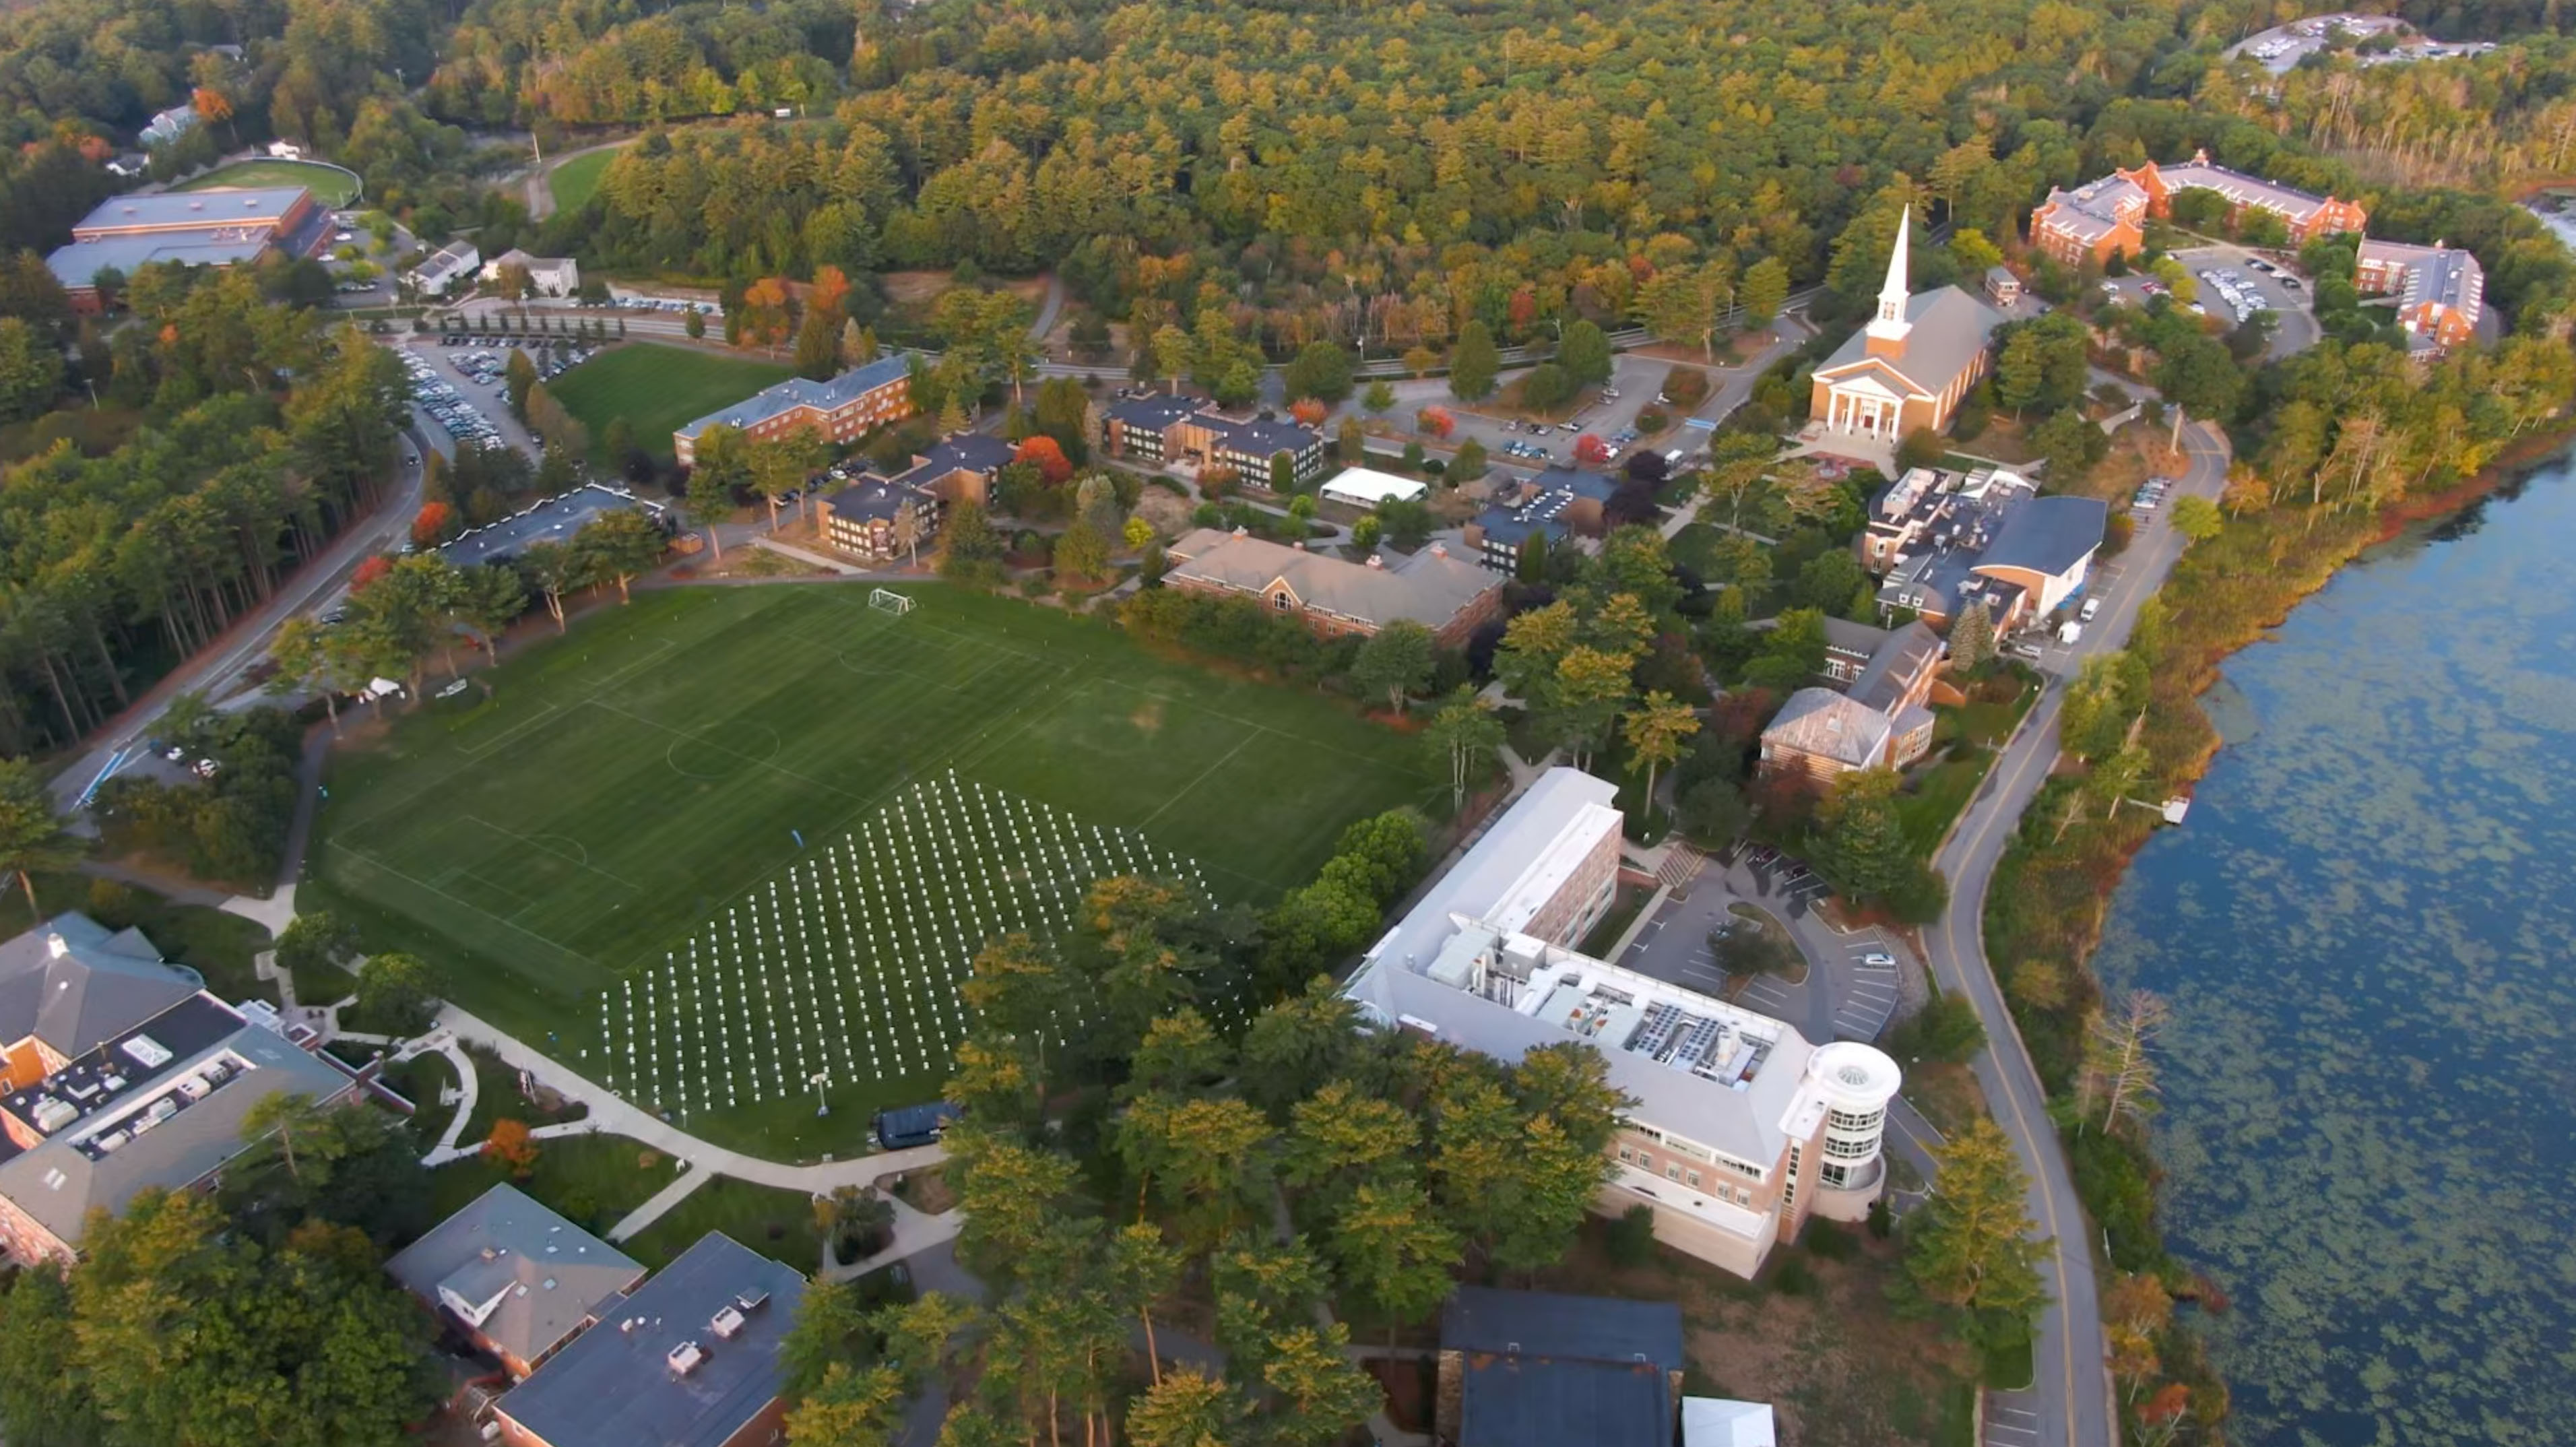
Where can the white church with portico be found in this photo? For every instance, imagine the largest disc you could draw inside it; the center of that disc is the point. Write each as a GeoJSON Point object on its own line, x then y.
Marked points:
{"type": "Point", "coordinates": [1911, 367]}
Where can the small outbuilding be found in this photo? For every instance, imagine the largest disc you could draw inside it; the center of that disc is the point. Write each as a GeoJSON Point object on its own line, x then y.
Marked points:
{"type": "Point", "coordinates": [1367, 487]}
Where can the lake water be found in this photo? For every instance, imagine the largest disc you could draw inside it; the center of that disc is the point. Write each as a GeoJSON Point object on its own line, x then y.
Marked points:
{"type": "Point", "coordinates": [2367, 931]}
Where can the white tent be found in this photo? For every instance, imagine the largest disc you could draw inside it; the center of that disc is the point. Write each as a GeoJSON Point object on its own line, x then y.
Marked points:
{"type": "Point", "coordinates": [1365, 487]}
{"type": "Point", "coordinates": [1718, 1422]}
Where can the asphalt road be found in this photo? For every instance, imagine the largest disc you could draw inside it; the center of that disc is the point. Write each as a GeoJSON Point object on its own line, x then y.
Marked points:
{"type": "Point", "coordinates": [2069, 1402]}
{"type": "Point", "coordinates": [212, 671]}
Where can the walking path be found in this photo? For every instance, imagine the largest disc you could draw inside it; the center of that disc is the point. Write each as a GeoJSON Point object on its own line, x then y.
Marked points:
{"type": "Point", "coordinates": [662, 1200]}
{"type": "Point", "coordinates": [611, 1115]}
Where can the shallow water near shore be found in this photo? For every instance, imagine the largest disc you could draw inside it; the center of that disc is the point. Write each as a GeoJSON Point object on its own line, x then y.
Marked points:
{"type": "Point", "coordinates": [2367, 930]}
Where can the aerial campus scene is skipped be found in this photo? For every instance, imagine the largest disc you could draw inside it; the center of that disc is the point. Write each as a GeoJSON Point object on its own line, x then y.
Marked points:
{"type": "Point", "coordinates": [1221, 725]}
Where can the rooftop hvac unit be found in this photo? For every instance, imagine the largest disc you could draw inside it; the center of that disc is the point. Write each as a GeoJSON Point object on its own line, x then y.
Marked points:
{"type": "Point", "coordinates": [751, 1301]}
{"type": "Point", "coordinates": [727, 1323]}
{"type": "Point", "coordinates": [150, 1053]}
{"type": "Point", "coordinates": [684, 1358]}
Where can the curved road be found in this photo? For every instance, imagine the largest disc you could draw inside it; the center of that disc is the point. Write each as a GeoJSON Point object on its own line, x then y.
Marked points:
{"type": "Point", "coordinates": [246, 642]}
{"type": "Point", "coordinates": [2069, 1403]}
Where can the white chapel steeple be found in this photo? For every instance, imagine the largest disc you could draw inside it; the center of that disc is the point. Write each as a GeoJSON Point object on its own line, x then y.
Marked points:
{"type": "Point", "coordinates": [1887, 330]}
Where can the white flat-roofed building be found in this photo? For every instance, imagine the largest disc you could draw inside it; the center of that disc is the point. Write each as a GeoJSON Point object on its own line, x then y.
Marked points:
{"type": "Point", "coordinates": [1366, 487]}
{"type": "Point", "coordinates": [1741, 1128]}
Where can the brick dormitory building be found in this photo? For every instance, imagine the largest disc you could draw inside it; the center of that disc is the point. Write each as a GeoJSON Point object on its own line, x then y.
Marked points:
{"type": "Point", "coordinates": [1449, 595]}
{"type": "Point", "coordinates": [840, 411]}
{"type": "Point", "coordinates": [1169, 428]}
{"type": "Point", "coordinates": [2108, 216]}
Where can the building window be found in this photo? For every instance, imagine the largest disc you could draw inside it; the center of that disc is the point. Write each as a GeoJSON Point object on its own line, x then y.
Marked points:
{"type": "Point", "coordinates": [1672, 1171]}
{"type": "Point", "coordinates": [1279, 601]}
{"type": "Point", "coordinates": [1694, 1180]}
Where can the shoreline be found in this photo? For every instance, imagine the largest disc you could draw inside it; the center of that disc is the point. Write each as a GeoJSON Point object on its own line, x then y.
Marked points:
{"type": "Point", "coordinates": [2052, 893]}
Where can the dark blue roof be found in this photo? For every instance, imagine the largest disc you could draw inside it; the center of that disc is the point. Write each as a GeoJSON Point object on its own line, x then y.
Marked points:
{"type": "Point", "coordinates": [967, 451]}
{"type": "Point", "coordinates": [869, 497]}
{"type": "Point", "coordinates": [1575, 480]}
{"type": "Point", "coordinates": [614, 1386]}
{"type": "Point", "coordinates": [2048, 534]}
{"type": "Point", "coordinates": [1155, 411]}
{"type": "Point", "coordinates": [1266, 438]}
{"type": "Point", "coordinates": [1545, 1368]}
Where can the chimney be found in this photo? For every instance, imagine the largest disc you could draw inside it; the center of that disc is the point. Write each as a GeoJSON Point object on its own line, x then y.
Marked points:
{"type": "Point", "coordinates": [1439, 550]}
{"type": "Point", "coordinates": [1241, 532]}
{"type": "Point", "coordinates": [57, 946]}
{"type": "Point", "coordinates": [1377, 560]}
{"type": "Point", "coordinates": [1299, 545]}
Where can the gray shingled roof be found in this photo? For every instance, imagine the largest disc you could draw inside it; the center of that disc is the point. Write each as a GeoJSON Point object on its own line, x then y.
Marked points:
{"type": "Point", "coordinates": [531, 1276]}
{"type": "Point", "coordinates": [1950, 329]}
{"type": "Point", "coordinates": [250, 205]}
{"type": "Point", "coordinates": [2048, 535]}
{"type": "Point", "coordinates": [1901, 657]}
{"type": "Point", "coordinates": [614, 1386]}
{"type": "Point", "coordinates": [798, 392]}
{"type": "Point", "coordinates": [1428, 588]}
{"type": "Point", "coordinates": [97, 987]}
{"type": "Point", "coordinates": [59, 1182]}
{"type": "Point", "coordinates": [1822, 722]}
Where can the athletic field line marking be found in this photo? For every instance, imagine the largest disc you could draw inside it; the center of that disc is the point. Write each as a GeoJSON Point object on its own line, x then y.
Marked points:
{"type": "Point", "coordinates": [530, 840]}
{"type": "Point", "coordinates": [544, 711]}
{"type": "Point", "coordinates": [1177, 795]}
{"type": "Point", "coordinates": [719, 748]}
{"type": "Point", "coordinates": [468, 905]}
{"type": "Point", "coordinates": [660, 647]}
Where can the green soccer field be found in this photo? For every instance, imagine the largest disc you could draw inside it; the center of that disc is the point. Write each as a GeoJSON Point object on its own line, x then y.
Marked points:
{"type": "Point", "coordinates": [577, 180]}
{"type": "Point", "coordinates": [657, 388]}
{"type": "Point", "coordinates": [711, 845]}
{"type": "Point", "coordinates": [330, 185]}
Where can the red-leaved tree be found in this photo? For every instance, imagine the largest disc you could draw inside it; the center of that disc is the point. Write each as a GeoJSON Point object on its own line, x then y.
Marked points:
{"type": "Point", "coordinates": [429, 527]}
{"type": "Point", "coordinates": [1436, 421]}
{"type": "Point", "coordinates": [375, 566]}
{"type": "Point", "coordinates": [1053, 465]}
{"type": "Point", "coordinates": [1591, 450]}
{"type": "Point", "coordinates": [1310, 411]}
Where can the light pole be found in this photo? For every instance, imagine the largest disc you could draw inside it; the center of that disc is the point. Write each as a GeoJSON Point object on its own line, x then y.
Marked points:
{"type": "Point", "coordinates": [820, 1079]}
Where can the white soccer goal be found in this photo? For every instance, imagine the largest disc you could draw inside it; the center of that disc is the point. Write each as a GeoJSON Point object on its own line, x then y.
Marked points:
{"type": "Point", "coordinates": [887, 601]}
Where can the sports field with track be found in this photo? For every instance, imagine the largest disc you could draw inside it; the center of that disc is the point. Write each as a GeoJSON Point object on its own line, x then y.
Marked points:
{"type": "Point", "coordinates": [712, 845]}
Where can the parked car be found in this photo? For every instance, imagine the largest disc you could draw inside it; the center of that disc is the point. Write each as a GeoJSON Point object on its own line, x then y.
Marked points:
{"type": "Point", "coordinates": [2091, 607]}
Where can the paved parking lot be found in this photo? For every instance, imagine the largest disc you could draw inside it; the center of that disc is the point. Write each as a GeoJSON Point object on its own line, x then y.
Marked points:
{"type": "Point", "coordinates": [476, 397]}
{"type": "Point", "coordinates": [2009, 1425]}
{"type": "Point", "coordinates": [1854, 979]}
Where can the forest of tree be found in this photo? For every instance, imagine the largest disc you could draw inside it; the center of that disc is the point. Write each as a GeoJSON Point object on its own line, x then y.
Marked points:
{"type": "Point", "coordinates": [258, 434]}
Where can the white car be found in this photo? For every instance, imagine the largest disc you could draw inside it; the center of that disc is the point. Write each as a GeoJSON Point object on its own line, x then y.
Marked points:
{"type": "Point", "coordinates": [2091, 607]}
{"type": "Point", "coordinates": [1883, 961]}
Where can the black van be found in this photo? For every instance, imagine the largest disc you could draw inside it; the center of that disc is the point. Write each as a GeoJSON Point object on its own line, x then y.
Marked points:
{"type": "Point", "coordinates": [913, 1125]}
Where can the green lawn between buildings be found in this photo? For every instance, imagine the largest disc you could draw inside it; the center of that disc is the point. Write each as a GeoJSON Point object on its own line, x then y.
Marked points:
{"type": "Point", "coordinates": [329, 185]}
{"type": "Point", "coordinates": [575, 181]}
{"type": "Point", "coordinates": [657, 389]}
{"type": "Point", "coordinates": [627, 793]}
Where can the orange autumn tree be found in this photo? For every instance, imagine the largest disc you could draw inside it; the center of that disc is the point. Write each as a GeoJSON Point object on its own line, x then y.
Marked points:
{"type": "Point", "coordinates": [830, 287]}
{"type": "Point", "coordinates": [1049, 456]}
{"type": "Point", "coordinates": [1310, 411]}
{"type": "Point", "coordinates": [764, 319]}
{"type": "Point", "coordinates": [431, 524]}
{"type": "Point", "coordinates": [510, 1146]}
{"type": "Point", "coordinates": [375, 566]}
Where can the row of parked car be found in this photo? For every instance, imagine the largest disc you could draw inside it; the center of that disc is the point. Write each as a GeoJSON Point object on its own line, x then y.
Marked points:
{"type": "Point", "coordinates": [463, 420]}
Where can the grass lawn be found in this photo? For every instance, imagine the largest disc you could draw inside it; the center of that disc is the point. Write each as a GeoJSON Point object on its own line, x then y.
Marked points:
{"type": "Point", "coordinates": [574, 182]}
{"type": "Point", "coordinates": [712, 844]}
{"type": "Point", "coordinates": [331, 187]}
{"type": "Point", "coordinates": [1971, 733]}
{"type": "Point", "coordinates": [216, 945]}
{"type": "Point", "coordinates": [657, 389]}
{"type": "Point", "coordinates": [593, 1180]}
{"type": "Point", "coordinates": [776, 1223]}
